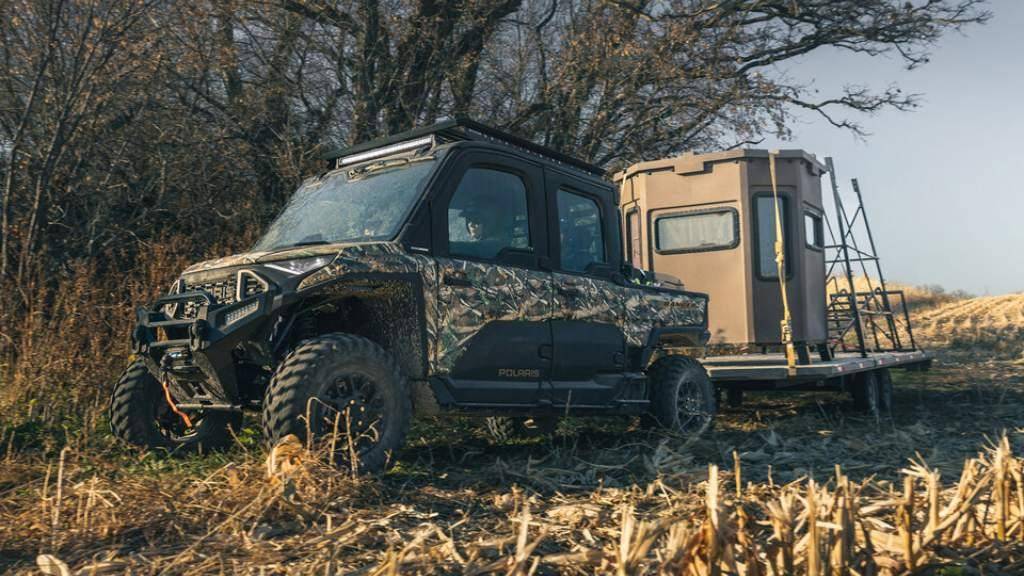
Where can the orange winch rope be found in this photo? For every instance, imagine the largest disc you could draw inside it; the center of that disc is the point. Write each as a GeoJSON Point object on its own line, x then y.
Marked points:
{"type": "Point", "coordinates": [174, 407]}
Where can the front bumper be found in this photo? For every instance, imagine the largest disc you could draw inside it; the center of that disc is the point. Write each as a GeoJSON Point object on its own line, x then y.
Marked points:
{"type": "Point", "coordinates": [206, 342]}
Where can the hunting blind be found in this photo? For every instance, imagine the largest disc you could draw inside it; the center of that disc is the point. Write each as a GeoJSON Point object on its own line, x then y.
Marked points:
{"type": "Point", "coordinates": [710, 220]}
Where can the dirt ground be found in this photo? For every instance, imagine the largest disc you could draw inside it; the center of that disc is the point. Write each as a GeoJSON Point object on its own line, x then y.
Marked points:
{"type": "Point", "coordinates": [455, 503]}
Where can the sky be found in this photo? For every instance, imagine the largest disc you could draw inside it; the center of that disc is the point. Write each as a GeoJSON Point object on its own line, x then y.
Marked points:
{"type": "Point", "coordinates": [943, 185]}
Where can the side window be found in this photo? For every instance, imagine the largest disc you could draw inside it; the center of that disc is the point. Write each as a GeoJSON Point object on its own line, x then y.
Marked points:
{"type": "Point", "coordinates": [813, 231]}
{"type": "Point", "coordinates": [697, 231]}
{"type": "Point", "coordinates": [633, 237]}
{"type": "Point", "coordinates": [487, 214]}
{"type": "Point", "coordinates": [580, 231]}
{"type": "Point", "coordinates": [764, 224]}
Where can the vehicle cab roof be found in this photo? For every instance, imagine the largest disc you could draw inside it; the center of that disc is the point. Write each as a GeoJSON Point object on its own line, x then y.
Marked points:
{"type": "Point", "coordinates": [465, 133]}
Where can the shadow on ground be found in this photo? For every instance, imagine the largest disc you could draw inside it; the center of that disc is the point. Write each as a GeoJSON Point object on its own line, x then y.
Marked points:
{"type": "Point", "coordinates": [943, 417]}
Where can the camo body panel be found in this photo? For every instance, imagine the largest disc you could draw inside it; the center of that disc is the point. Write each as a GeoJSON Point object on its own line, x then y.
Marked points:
{"type": "Point", "coordinates": [646, 309]}
{"type": "Point", "coordinates": [260, 257]}
{"type": "Point", "coordinates": [386, 258]}
{"type": "Point", "coordinates": [496, 293]}
{"type": "Point", "coordinates": [597, 300]}
{"type": "Point", "coordinates": [635, 310]}
{"type": "Point", "coordinates": [454, 314]}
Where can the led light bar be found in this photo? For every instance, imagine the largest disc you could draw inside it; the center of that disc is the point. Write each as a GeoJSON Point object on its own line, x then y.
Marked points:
{"type": "Point", "coordinates": [240, 313]}
{"type": "Point", "coordinates": [386, 151]}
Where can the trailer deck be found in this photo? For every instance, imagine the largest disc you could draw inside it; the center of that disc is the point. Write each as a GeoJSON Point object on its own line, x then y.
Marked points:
{"type": "Point", "coordinates": [771, 368]}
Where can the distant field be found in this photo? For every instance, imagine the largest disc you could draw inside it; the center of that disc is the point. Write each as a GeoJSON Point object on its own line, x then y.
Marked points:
{"type": "Point", "coordinates": [991, 323]}
{"type": "Point", "coordinates": [917, 297]}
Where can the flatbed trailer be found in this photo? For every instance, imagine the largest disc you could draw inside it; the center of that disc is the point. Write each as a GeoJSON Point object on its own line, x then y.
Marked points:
{"type": "Point", "coordinates": [865, 376]}
{"type": "Point", "coordinates": [769, 371]}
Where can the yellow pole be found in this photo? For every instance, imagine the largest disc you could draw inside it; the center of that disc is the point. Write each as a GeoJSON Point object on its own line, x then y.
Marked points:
{"type": "Point", "coordinates": [780, 266]}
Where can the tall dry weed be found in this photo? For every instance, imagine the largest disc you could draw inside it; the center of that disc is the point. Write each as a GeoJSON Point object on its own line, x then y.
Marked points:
{"type": "Point", "coordinates": [65, 339]}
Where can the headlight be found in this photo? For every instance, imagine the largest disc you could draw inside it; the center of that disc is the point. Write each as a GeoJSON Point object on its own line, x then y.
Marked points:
{"type": "Point", "coordinates": [240, 313]}
{"type": "Point", "coordinates": [300, 265]}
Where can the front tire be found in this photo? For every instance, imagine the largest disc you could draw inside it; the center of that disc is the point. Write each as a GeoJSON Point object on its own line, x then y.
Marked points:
{"type": "Point", "coordinates": [141, 416]}
{"type": "Point", "coordinates": [345, 383]}
{"type": "Point", "coordinates": [682, 396]}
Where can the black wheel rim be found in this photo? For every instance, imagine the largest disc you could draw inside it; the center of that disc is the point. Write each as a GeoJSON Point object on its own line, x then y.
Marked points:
{"type": "Point", "coordinates": [350, 413]}
{"type": "Point", "coordinates": [691, 408]}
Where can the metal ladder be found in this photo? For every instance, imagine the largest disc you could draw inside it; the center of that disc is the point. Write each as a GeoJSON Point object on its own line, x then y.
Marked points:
{"type": "Point", "coordinates": [862, 321]}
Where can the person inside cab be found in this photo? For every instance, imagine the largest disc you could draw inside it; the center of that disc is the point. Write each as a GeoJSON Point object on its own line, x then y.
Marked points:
{"type": "Point", "coordinates": [487, 214]}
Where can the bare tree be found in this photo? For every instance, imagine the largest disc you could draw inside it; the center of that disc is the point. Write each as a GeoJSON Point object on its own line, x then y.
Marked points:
{"type": "Point", "coordinates": [125, 121]}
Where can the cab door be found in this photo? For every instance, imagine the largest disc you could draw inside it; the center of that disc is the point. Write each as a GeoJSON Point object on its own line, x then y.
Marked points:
{"type": "Point", "coordinates": [494, 299]}
{"type": "Point", "coordinates": [588, 306]}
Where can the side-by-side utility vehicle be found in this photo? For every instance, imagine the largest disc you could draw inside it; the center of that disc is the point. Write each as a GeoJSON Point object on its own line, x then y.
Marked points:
{"type": "Point", "coordinates": [451, 269]}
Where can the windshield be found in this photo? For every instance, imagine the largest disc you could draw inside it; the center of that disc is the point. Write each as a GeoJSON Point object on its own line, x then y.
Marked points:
{"type": "Point", "coordinates": [371, 204]}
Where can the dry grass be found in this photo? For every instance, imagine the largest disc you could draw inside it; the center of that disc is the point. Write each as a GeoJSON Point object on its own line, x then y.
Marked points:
{"type": "Point", "coordinates": [994, 323]}
{"type": "Point", "coordinates": [919, 301]}
{"type": "Point", "coordinates": [602, 497]}
{"type": "Point", "coordinates": [918, 298]}
{"type": "Point", "coordinates": [64, 342]}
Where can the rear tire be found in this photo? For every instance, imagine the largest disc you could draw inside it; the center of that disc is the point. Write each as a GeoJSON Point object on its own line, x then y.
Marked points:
{"type": "Point", "coordinates": [140, 416]}
{"type": "Point", "coordinates": [345, 380]}
{"type": "Point", "coordinates": [682, 396]}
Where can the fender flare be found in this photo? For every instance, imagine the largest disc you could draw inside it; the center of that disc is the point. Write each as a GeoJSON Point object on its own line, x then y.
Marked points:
{"type": "Point", "coordinates": [686, 336]}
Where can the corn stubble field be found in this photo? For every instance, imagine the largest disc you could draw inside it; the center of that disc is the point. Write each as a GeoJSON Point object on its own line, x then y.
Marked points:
{"type": "Point", "coordinates": [786, 484]}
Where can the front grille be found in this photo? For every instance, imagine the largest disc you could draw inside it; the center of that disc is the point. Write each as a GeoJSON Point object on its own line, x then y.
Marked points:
{"type": "Point", "coordinates": [251, 286]}
{"type": "Point", "coordinates": [223, 290]}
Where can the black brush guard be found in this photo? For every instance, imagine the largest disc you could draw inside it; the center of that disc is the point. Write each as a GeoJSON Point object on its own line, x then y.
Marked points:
{"type": "Point", "coordinates": [209, 339]}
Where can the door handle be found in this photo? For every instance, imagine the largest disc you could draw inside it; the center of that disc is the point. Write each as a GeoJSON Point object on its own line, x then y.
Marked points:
{"type": "Point", "coordinates": [572, 291]}
{"type": "Point", "coordinates": [457, 280]}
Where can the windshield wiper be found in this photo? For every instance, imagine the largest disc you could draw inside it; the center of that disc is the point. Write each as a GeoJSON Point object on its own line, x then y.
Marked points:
{"type": "Point", "coordinates": [385, 164]}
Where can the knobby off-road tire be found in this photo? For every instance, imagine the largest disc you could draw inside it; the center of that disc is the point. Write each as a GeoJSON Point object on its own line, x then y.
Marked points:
{"type": "Point", "coordinates": [865, 392]}
{"type": "Point", "coordinates": [682, 396]}
{"type": "Point", "coordinates": [140, 415]}
{"type": "Point", "coordinates": [501, 429]}
{"type": "Point", "coordinates": [345, 383]}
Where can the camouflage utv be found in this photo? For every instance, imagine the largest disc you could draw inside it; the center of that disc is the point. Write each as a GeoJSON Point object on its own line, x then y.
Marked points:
{"type": "Point", "coordinates": [452, 269]}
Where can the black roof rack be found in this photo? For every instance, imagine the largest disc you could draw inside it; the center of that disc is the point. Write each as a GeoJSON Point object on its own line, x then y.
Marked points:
{"type": "Point", "coordinates": [465, 129]}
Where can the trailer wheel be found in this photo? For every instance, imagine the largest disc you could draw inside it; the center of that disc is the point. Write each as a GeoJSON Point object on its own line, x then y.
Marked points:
{"type": "Point", "coordinates": [682, 396]}
{"type": "Point", "coordinates": [345, 383]}
{"type": "Point", "coordinates": [865, 392]}
{"type": "Point", "coordinates": [140, 415]}
{"type": "Point", "coordinates": [885, 391]}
